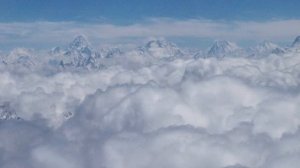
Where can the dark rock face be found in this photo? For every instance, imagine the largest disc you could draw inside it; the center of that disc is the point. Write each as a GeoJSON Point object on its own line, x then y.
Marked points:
{"type": "Point", "coordinates": [296, 42]}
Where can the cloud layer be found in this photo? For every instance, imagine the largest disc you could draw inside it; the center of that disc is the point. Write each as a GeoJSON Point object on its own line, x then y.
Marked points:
{"type": "Point", "coordinates": [50, 33]}
{"type": "Point", "coordinates": [233, 112]}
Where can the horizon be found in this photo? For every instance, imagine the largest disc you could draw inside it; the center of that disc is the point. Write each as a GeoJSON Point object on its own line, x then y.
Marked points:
{"type": "Point", "coordinates": [204, 46]}
{"type": "Point", "coordinates": [45, 24]}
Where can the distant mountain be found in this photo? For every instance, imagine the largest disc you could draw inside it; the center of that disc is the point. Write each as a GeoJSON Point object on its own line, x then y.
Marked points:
{"type": "Point", "coordinates": [79, 43]}
{"type": "Point", "coordinates": [20, 57]}
{"type": "Point", "coordinates": [56, 50]}
{"type": "Point", "coordinates": [79, 53]}
{"type": "Point", "coordinates": [296, 42]}
{"type": "Point", "coordinates": [199, 54]}
{"type": "Point", "coordinates": [7, 113]}
{"type": "Point", "coordinates": [265, 48]}
{"type": "Point", "coordinates": [110, 52]}
{"type": "Point", "coordinates": [222, 48]}
{"type": "Point", "coordinates": [160, 49]}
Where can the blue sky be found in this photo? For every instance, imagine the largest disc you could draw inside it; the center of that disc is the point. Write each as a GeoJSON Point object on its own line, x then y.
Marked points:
{"type": "Point", "coordinates": [129, 11]}
{"type": "Point", "coordinates": [41, 23]}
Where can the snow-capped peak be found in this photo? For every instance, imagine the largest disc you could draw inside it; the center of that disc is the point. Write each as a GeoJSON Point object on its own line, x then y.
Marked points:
{"type": "Point", "coordinates": [296, 42]}
{"type": "Point", "coordinates": [6, 113]}
{"type": "Point", "coordinates": [110, 52]}
{"type": "Point", "coordinates": [161, 49]}
{"type": "Point", "coordinates": [222, 47]}
{"type": "Point", "coordinates": [266, 46]}
{"type": "Point", "coordinates": [79, 42]}
{"type": "Point", "coordinates": [79, 54]}
{"type": "Point", "coordinates": [20, 56]}
{"type": "Point", "coordinates": [264, 49]}
{"type": "Point", "coordinates": [162, 43]}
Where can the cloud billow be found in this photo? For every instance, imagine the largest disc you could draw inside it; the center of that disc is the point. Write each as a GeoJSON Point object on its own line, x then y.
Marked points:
{"type": "Point", "coordinates": [142, 110]}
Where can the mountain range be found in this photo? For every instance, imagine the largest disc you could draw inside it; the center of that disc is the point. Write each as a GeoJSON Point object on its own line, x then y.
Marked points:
{"type": "Point", "coordinates": [79, 54]}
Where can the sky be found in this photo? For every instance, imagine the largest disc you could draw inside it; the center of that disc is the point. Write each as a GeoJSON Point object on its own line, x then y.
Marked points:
{"type": "Point", "coordinates": [126, 12]}
{"type": "Point", "coordinates": [225, 17]}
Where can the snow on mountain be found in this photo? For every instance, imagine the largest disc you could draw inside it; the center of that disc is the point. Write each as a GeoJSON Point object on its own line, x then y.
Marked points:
{"type": "Point", "coordinates": [160, 49]}
{"type": "Point", "coordinates": [111, 52]}
{"type": "Point", "coordinates": [79, 43]}
{"type": "Point", "coordinates": [199, 54]}
{"type": "Point", "coordinates": [20, 57]}
{"type": "Point", "coordinates": [2, 59]}
{"type": "Point", "coordinates": [264, 49]}
{"type": "Point", "coordinates": [222, 48]}
{"type": "Point", "coordinates": [56, 50]}
{"type": "Point", "coordinates": [278, 51]}
{"type": "Point", "coordinates": [296, 42]}
{"type": "Point", "coordinates": [79, 53]}
{"type": "Point", "coordinates": [7, 113]}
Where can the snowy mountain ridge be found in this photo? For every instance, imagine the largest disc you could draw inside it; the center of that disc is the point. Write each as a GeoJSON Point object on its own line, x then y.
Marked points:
{"type": "Point", "coordinates": [7, 113]}
{"type": "Point", "coordinates": [160, 49]}
{"type": "Point", "coordinates": [80, 55]}
{"type": "Point", "coordinates": [296, 42]}
{"type": "Point", "coordinates": [223, 48]}
{"type": "Point", "coordinates": [264, 49]}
